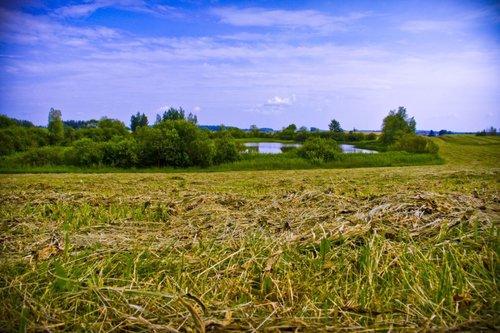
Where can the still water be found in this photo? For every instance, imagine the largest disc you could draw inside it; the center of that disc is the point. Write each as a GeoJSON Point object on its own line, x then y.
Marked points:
{"type": "Point", "coordinates": [275, 147]}
{"type": "Point", "coordinates": [270, 147]}
{"type": "Point", "coordinates": [352, 149]}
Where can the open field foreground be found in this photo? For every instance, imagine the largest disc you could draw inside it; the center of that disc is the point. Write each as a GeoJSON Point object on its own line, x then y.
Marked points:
{"type": "Point", "coordinates": [410, 248]}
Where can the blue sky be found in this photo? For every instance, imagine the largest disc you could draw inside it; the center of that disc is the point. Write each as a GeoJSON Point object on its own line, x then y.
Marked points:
{"type": "Point", "coordinates": [268, 63]}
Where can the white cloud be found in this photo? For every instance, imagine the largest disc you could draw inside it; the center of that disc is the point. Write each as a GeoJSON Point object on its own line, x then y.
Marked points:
{"type": "Point", "coordinates": [281, 101]}
{"type": "Point", "coordinates": [108, 70]}
{"type": "Point", "coordinates": [139, 6]}
{"type": "Point", "coordinates": [273, 106]}
{"type": "Point", "coordinates": [163, 108]}
{"type": "Point", "coordinates": [79, 10]}
{"type": "Point", "coordinates": [307, 19]}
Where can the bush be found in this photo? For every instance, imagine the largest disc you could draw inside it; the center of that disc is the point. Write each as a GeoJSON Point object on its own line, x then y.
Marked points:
{"type": "Point", "coordinates": [16, 139]}
{"type": "Point", "coordinates": [226, 150]}
{"type": "Point", "coordinates": [319, 150]}
{"type": "Point", "coordinates": [120, 153]}
{"type": "Point", "coordinates": [37, 157]}
{"type": "Point", "coordinates": [85, 152]}
{"type": "Point", "coordinates": [201, 152]}
{"type": "Point", "coordinates": [415, 144]}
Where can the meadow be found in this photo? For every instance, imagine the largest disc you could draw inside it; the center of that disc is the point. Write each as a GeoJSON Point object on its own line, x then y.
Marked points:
{"type": "Point", "coordinates": [407, 248]}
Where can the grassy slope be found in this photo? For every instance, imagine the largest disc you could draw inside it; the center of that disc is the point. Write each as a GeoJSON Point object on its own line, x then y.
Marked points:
{"type": "Point", "coordinates": [470, 150]}
{"type": "Point", "coordinates": [413, 247]}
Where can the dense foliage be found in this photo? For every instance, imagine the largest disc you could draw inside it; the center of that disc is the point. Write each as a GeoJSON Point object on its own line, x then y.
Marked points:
{"type": "Point", "coordinates": [415, 144]}
{"type": "Point", "coordinates": [173, 141]}
{"type": "Point", "coordinates": [319, 150]}
{"type": "Point", "coordinates": [176, 140]}
{"type": "Point", "coordinates": [395, 125]}
{"type": "Point", "coordinates": [398, 133]}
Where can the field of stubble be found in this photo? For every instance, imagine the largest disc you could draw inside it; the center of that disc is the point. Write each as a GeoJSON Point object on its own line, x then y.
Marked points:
{"type": "Point", "coordinates": [412, 248]}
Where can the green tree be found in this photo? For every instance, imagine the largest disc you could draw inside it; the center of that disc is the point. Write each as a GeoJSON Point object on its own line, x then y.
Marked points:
{"type": "Point", "coordinates": [254, 131]}
{"type": "Point", "coordinates": [334, 126]}
{"type": "Point", "coordinates": [138, 120]}
{"type": "Point", "coordinates": [111, 128]}
{"type": "Point", "coordinates": [178, 143]}
{"type": "Point", "coordinates": [56, 127]}
{"type": "Point", "coordinates": [201, 151]}
{"type": "Point", "coordinates": [302, 134]}
{"type": "Point", "coordinates": [395, 125]}
{"type": "Point", "coordinates": [85, 152]}
{"type": "Point", "coordinates": [6, 121]}
{"type": "Point", "coordinates": [288, 133]}
{"type": "Point", "coordinates": [120, 152]}
{"type": "Point", "coordinates": [192, 118]}
{"type": "Point", "coordinates": [444, 132]}
{"type": "Point", "coordinates": [173, 114]}
{"type": "Point", "coordinates": [226, 150]}
{"type": "Point", "coordinates": [319, 150]}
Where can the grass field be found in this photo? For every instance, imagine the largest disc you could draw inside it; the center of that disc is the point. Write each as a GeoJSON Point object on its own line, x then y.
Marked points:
{"type": "Point", "coordinates": [377, 249]}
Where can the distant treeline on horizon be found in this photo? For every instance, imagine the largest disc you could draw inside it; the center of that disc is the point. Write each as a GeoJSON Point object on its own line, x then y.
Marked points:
{"type": "Point", "coordinates": [78, 124]}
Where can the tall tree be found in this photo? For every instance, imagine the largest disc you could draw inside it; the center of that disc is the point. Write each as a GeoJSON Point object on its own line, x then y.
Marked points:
{"type": "Point", "coordinates": [334, 126]}
{"type": "Point", "coordinates": [254, 131]}
{"type": "Point", "coordinates": [192, 118]}
{"type": "Point", "coordinates": [397, 124]}
{"type": "Point", "coordinates": [173, 114]}
{"type": "Point", "coordinates": [288, 133]}
{"type": "Point", "coordinates": [138, 120]}
{"type": "Point", "coordinates": [56, 127]}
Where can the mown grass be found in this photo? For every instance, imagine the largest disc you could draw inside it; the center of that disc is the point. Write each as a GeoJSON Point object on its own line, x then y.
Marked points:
{"type": "Point", "coordinates": [410, 248]}
{"type": "Point", "coordinates": [470, 149]}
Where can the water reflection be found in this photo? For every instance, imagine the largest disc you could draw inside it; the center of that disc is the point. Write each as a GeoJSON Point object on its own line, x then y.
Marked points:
{"type": "Point", "coordinates": [278, 147]}
{"type": "Point", "coordinates": [352, 149]}
{"type": "Point", "coordinates": [270, 147]}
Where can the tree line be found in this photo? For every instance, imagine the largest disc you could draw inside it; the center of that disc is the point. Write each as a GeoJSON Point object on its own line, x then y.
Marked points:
{"type": "Point", "coordinates": [176, 140]}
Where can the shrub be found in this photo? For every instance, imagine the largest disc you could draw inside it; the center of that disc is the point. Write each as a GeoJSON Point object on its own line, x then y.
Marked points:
{"type": "Point", "coordinates": [120, 153]}
{"type": "Point", "coordinates": [15, 139]}
{"type": "Point", "coordinates": [226, 150]}
{"type": "Point", "coordinates": [319, 150]}
{"type": "Point", "coordinates": [85, 152]}
{"type": "Point", "coordinates": [415, 144]}
{"type": "Point", "coordinates": [201, 152]}
{"type": "Point", "coordinates": [43, 156]}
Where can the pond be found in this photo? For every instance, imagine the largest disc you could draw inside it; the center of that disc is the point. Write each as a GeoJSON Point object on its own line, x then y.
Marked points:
{"type": "Point", "coordinates": [276, 147]}
{"type": "Point", "coordinates": [270, 147]}
{"type": "Point", "coordinates": [352, 149]}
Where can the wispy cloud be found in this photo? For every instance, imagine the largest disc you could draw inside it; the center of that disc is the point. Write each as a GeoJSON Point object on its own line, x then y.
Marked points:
{"type": "Point", "coordinates": [298, 19]}
{"type": "Point", "coordinates": [44, 30]}
{"type": "Point", "coordinates": [455, 22]}
{"type": "Point", "coordinates": [418, 26]}
{"type": "Point", "coordinates": [237, 72]}
{"type": "Point", "coordinates": [82, 10]}
{"type": "Point", "coordinates": [79, 10]}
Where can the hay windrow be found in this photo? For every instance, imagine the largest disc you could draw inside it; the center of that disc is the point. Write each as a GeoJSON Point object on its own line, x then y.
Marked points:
{"type": "Point", "coordinates": [295, 251]}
